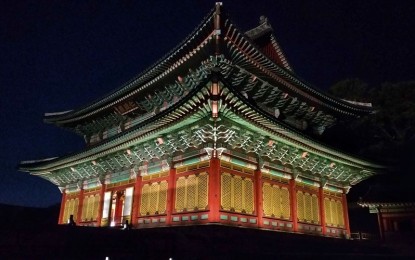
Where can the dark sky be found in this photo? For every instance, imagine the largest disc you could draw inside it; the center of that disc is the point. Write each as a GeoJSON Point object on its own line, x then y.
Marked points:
{"type": "Point", "coordinates": [60, 55]}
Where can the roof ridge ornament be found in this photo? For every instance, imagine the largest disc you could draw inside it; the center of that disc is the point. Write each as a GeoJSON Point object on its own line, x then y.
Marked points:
{"type": "Point", "coordinates": [217, 28]}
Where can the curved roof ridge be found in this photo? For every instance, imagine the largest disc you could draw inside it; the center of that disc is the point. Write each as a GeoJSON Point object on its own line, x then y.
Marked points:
{"type": "Point", "coordinates": [143, 76]}
{"type": "Point", "coordinates": [270, 65]}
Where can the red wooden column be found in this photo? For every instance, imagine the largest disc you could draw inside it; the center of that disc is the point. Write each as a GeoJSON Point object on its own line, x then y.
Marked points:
{"type": "Point", "coordinates": [258, 197]}
{"type": "Point", "coordinates": [136, 199]}
{"type": "Point", "coordinates": [101, 202]}
{"type": "Point", "coordinates": [61, 212]}
{"type": "Point", "coordinates": [346, 214]}
{"type": "Point", "coordinates": [214, 190]}
{"type": "Point", "coordinates": [322, 211]}
{"type": "Point", "coordinates": [293, 207]}
{"type": "Point", "coordinates": [80, 205]}
{"type": "Point", "coordinates": [170, 194]}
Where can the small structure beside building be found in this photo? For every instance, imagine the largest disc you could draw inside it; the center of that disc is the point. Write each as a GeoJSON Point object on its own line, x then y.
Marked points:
{"type": "Point", "coordinates": [395, 209]}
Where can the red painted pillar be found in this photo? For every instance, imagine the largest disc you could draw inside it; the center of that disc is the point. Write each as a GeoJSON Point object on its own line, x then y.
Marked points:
{"type": "Point", "coordinates": [61, 212]}
{"type": "Point", "coordinates": [293, 207]}
{"type": "Point", "coordinates": [170, 195]}
{"type": "Point", "coordinates": [80, 206]}
{"type": "Point", "coordinates": [322, 211]}
{"type": "Point", "coordinates": [214, 190]}
{"type": "Point", "coordinates": [101, 203]}
{"type": "Point", "coordinates": [136, 199]}
{"type": "Point", "coordinates": [346, 214]}
{"type": "Point", "coordinates": [118, 207]}
{"type": "Point", "coordinates": [258, 197]}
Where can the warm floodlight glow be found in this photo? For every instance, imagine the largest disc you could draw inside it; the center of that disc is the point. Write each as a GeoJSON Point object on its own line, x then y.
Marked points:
{"type": "Point", "coordinates": [215, 89]}
{"type": "Point", "coordinates": [214, 108]}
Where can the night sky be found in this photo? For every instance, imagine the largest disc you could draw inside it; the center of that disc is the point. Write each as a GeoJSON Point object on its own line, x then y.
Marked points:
{"type": "Point", "coordinates": [61, 55]}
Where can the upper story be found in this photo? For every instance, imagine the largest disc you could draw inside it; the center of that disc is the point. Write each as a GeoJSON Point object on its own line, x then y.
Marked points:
{"type": "Point", "coordinates": [252, 62]}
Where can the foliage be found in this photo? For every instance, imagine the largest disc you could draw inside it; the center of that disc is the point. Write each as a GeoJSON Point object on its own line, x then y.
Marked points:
{"type": "Point", "coordinates": [388, 135]}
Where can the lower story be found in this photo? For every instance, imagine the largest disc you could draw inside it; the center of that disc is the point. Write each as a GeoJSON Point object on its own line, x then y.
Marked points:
{"type": "Point", "coordinates": [209, 190]}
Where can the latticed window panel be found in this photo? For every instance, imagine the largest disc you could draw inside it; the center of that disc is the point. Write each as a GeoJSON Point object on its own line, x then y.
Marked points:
{"type": "Point", "coordinates": [237, 194]}
{"type": "Point", "coordinates": [180, 194]}
{"type": "Point", "coordinates": [154, 192]}
{"type": "Point", "coordinates": [300, 206]}
{"type": "Point", "coordinates": [192, 192]}
{"type": "Point", "coordinates": [191, 186]}
{"type": "Point", "coordinates": [154, 198]}
{"type": "Point", "coordinates": [327, 212]}
{"type": "Point", "coordinates": [72, 208]}
{"type": "Point", "coordinates": [91, 201]}
{"type": "Point", "coordinates": [308, 216]}
{"type": "Point", "coordinates": [315, 209]}
{"type": "Point", "coordinates": [84, 214]}
{"type": "Point", "coordinates": [276, 201]}
{"type": "Point", "coordinates": [248, 196]}
{"type": "Point", "coordinates": [202, 200]}
{"type": "Point", "coordinates": [88, 208]}
{"type": "Point", "coordinates": [285, 203]}
{"type": "Point", "coordinates": [65, 212]}
{"type": "Point", "coordinates": [340, 213]}
{"type": "Point", "coordinates": [267, 199]}
{"type": "Point", "coordinates": [96, 206]}
{"type": "Point", "coordinates": [162, 202]}
{"type": "Point", "coordinates": [145, 195]}
{"type": "Point", "coordinates": [226, 194]}
{"type": "Point", "coordinates": [307, 207]}
{"type": "Point", "coordinates": [334, 212]}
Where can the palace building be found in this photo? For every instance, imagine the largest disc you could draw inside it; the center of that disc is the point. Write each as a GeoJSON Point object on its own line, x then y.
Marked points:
{"type": "Point", "coordinates": [220, 131]}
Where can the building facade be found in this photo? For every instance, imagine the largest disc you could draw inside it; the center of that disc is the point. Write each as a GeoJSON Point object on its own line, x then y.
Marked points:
{"type": "Point", "coordinates": [218, 131]}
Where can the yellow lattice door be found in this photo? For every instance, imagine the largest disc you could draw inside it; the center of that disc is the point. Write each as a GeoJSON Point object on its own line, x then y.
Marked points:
{"type": "Point", "coordinates": [267, 199]}
{"type": "Point", "coordinates": [300, 206]}
{"type": "Point", "coordinates": [276, 201]}
{"type": "Point", "coordinates": [315, 209]}
{"type": "Point", "coordinates": [180, 194]}
{"type": "Point", "coordinates": [202, 199]}
{"type": "Point", "coordinates": [333, 211]}
{"type": "Point", "coordinates": [162, 202]}
{"type": "Point", "coordinates": [65, 212]}
{"type": "Point", "coordinates": [96, 207]}
{"type": "Point", "coordinates": [285, 203]}
{"type": "Point", "coordinates": [154, 198]}
{"type": "Point", "coordinates": [327, 212]}
{"type": "Point", "coordinates": [308, 216]}
{"type": "Point", "coordinates": [75, 208]}
{"type": "Point", "coordinates": [91, 201]}
{"type": "Point", "coordinates": [248, 196]}
{"type": "Point", "coordinates": [226, 193]}
{"type": "Point", "coordinates": [145, 200]}
{"type": "Point", "coordinates": [237, 193]}
{"type": "Point", "coordinates": [340, 213]}
{"type": "Point", "coordinates": [191, 186]}
{"type": "Point", "coordinates": [85, 209]}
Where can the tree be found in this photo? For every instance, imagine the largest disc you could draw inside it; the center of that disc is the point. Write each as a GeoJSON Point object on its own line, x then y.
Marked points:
{"type": "Point", "coordinates": [388, 135]}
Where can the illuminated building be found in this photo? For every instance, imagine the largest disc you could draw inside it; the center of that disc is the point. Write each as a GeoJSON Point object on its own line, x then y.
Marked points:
{"type": "Point", "coordinates": [218, 131]}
